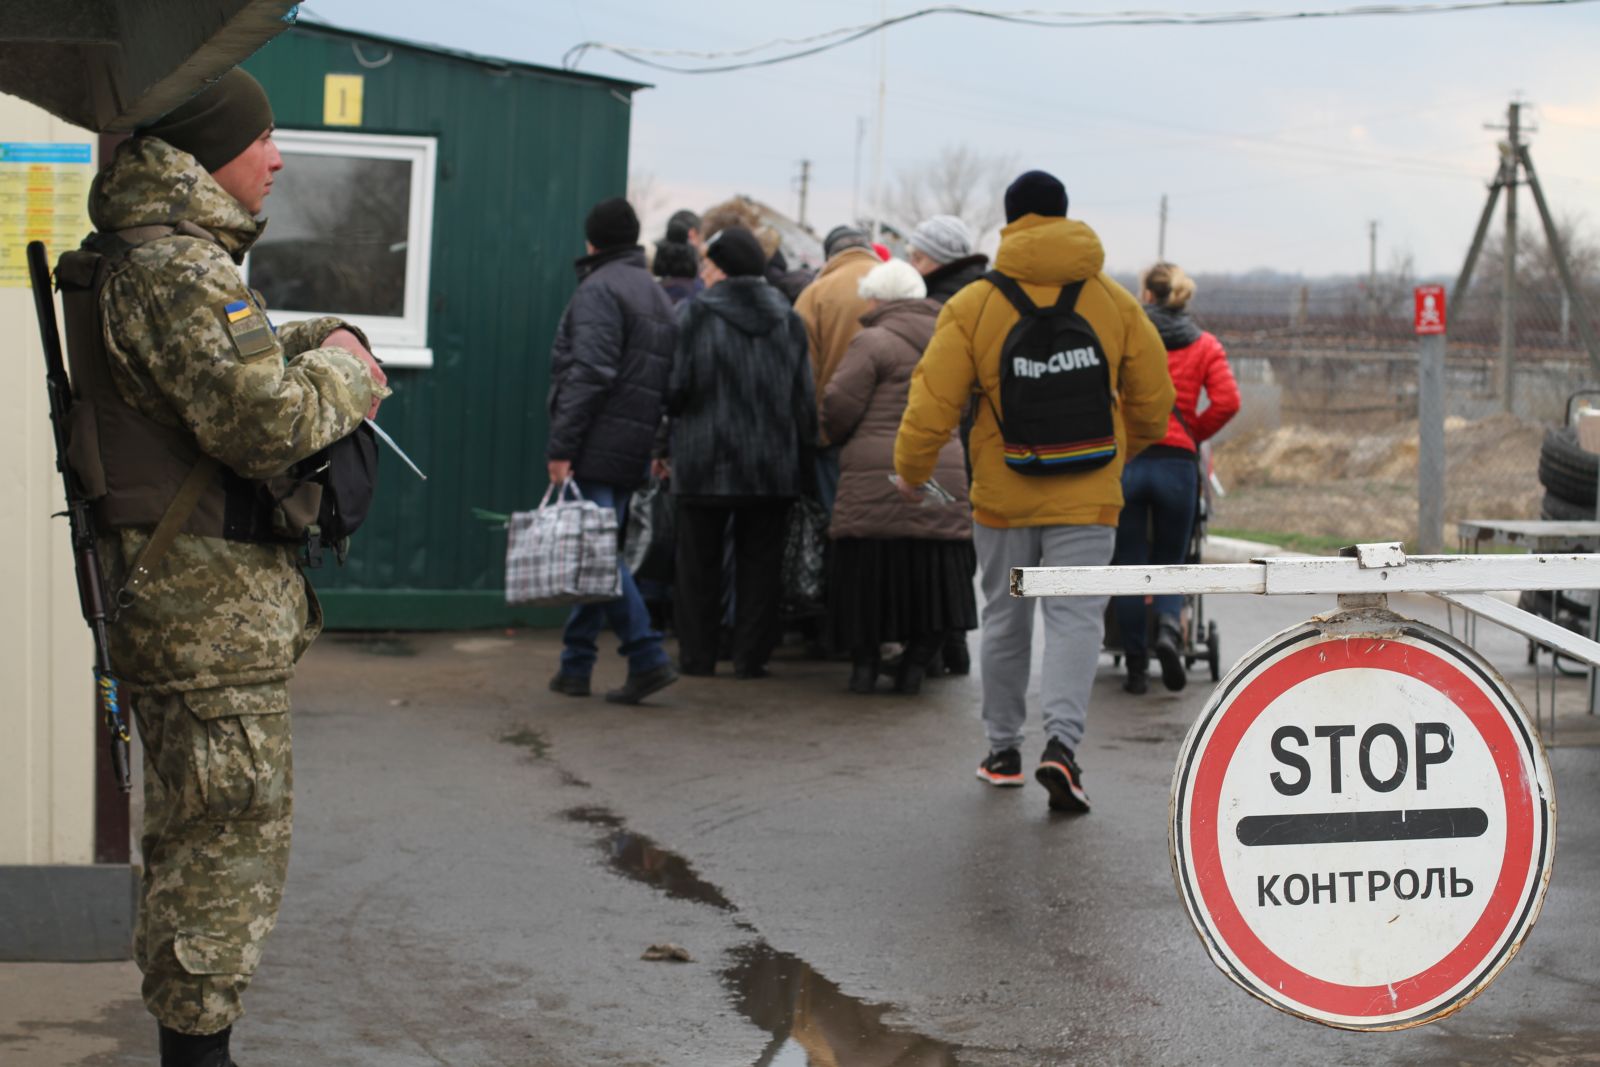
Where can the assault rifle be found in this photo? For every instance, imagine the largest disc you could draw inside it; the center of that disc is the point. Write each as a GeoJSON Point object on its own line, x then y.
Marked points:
{"type": "Point", "coordinates": [80, 517]}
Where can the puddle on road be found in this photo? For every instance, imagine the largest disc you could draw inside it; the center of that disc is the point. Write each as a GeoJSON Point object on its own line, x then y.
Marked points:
{"type": "Point", "coordinates": [537, 744]}
{"type": "Point", "coordinates": [477, 646]}
{"type": "Point", "coordinates": [637, 857]}
{"type": "Point", "coordinates": [379, 644]}
{"type": "Point", "coordinates": [812, 1022]}
{"type": "Point", "coordinates": [1156, 733]}
{"type": "Point", "coordinates": [1533, 1045]}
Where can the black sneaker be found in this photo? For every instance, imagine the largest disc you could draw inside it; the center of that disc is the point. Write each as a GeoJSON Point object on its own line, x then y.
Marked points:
{"type": "Point", "coordinates": [570, 685]}
{"type": "Point", "coordinates": [638, 686]}
{"type": "Point", "coordinates": [1003, 768]}
{"type": "Point", "coordinates": [1168, 649]}
{"type": "Point", "coordinates": [1058, 773]}
{"type": "Point", "coordinates": [1137, 684]}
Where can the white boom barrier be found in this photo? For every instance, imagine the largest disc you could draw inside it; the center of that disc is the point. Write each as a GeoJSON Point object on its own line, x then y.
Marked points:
{"type": "Point", "coordinates": [1462, 581]}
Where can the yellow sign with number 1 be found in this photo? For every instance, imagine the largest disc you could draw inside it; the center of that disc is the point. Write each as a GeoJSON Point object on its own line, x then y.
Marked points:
{"type": "Point", "coordinates": [341, 99]}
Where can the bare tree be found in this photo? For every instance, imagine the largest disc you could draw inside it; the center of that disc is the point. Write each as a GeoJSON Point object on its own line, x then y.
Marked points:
{"type": "Point", "coordinates": [1540, 293]}
{"type": "Point", "coordinates": [958, 181]}
{"type": "Point", "coordinates": [649, 200]}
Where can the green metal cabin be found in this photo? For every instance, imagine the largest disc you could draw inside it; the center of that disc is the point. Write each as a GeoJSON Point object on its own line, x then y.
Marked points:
{"type": "Point", "coordinates": [437, 199]}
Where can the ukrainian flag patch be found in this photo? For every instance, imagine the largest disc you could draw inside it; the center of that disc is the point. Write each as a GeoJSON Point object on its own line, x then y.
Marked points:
{"type": "Point", "coordinates": [248, 329]}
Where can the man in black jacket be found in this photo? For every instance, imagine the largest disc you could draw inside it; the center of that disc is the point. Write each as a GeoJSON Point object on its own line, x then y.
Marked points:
{"type": "Point", "coordinates": [608, 377]}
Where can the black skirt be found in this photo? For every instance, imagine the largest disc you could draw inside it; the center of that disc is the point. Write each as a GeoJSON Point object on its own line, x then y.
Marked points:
{"type": "Point", "coordinates": [897, 589]}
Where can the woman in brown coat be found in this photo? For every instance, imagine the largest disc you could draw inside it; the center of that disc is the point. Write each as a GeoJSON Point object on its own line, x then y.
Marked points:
{"type": "Point", "coordinates": [900, 572]}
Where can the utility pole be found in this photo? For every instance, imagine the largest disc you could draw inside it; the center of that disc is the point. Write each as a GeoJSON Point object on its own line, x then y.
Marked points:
{"type": "Point", "coordinates": [1458, 295]}
{"type": "Point", "coordinates": [1372, 268]}
{"type": "Point", "coordinates": [1508, 291]}
{"type": "Point", "coordinates": [877, 151]}
{"type": "Point", "coordinates": [1569, 284]}
{"type": "Point", "coordinates": [1505, 179]}
{"type": "Point", "coordinates": [805, 186]}
{"type": "Point", "coordinates": [855, 189]}
{"type": "Point", "coordinates": [1372, 255]}
{"type": "Point", "coordinates": [1161, 239]}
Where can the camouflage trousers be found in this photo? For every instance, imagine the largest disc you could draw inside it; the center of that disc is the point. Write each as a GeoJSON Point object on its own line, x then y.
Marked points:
{"type": "Point", "coordinates": [217, 805]}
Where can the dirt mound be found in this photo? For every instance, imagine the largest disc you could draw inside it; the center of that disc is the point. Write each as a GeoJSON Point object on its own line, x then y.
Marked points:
{"type": "Point", "coordinates": [1363, 486]}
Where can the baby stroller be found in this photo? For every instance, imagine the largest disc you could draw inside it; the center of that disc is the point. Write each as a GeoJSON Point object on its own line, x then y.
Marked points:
{"type": "Point", "coordinates": [1200, 638]}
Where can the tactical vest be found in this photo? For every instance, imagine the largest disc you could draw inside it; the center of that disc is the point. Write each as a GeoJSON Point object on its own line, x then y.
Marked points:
{"type": "Point", "coordinates": [137, 471]}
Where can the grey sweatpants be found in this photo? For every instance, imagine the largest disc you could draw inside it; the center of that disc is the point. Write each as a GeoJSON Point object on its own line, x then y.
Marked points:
{"type": "Point", "coordinates": [1073, 629]}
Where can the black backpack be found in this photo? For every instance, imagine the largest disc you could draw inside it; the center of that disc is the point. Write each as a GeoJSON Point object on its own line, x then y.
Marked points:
{"type": "Point", "coordinates": [1055, 387]}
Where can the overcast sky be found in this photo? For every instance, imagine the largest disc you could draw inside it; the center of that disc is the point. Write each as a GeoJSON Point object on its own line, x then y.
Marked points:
{"type": "Point", "coordinates": [1276, 144]}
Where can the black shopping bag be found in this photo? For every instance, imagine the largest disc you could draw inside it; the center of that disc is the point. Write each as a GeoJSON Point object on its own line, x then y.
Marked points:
{"type": "Point", "coordinates": [648, 544]}
{"type": "Point", "coordinates": [805, 541]}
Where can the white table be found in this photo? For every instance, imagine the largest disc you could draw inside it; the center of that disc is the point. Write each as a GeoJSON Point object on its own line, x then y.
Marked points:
{"type": "Point", "coordinates": [1537, 535]}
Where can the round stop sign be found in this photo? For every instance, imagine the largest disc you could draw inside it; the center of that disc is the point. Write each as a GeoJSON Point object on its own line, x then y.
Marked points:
{"type": "Point", "coordinates": [1363, 822]}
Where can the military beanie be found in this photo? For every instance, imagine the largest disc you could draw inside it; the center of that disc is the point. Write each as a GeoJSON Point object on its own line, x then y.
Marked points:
{"type": "Point", "coordinates": [219, 122]}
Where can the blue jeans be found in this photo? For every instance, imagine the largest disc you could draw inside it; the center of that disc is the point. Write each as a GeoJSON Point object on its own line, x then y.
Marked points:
{"type": "Point", "coordinates": [626, 615]}
{"type": "Point", "coordinates": [1159, 497]}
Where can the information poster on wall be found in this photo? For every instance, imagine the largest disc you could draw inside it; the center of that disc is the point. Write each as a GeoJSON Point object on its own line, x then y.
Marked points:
{"type": "Point", "coordinates": [44, 190]}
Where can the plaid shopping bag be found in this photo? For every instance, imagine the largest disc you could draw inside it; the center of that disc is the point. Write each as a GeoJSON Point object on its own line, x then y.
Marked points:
{"type": "Point", "coordinates": [563, 553]}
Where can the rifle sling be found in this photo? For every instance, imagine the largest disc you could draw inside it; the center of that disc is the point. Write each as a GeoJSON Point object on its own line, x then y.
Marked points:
{"type": "Point", "coordinates": [183, 504]}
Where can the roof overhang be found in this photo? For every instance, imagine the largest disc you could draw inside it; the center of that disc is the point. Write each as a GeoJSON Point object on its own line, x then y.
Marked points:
{"type": "Point", "coordinates": [309, 23]}
{"type": "Point", "coordinates": [112, 65]}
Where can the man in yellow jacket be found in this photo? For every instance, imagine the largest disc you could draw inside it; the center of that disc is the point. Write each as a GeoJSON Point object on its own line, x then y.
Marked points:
{"type": "Point", "coordinates": [1054, 520]}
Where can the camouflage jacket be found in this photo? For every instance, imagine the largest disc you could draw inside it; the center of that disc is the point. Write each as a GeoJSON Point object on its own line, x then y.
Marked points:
{"type": "Point", "coordinates": [216, 613]}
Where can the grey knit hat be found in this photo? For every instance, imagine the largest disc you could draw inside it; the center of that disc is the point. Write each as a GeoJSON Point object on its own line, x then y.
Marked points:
{"type": "Point", "coordinates": [842, 237]}
{"type": "Point", "coordinates": [943, 239]}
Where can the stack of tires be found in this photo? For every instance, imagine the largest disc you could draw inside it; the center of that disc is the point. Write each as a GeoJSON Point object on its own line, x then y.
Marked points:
{"type": "Point", "coordinates": [1568, 473]}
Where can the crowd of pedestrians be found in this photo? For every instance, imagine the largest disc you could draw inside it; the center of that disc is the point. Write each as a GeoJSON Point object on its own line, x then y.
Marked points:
{"type": "Point", "coordinates": [949, 420]}
{"type": "Point", "coordinates": [930, 419]}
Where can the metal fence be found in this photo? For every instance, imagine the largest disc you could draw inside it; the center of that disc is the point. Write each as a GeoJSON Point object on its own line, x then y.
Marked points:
{"type": "Point", "coordinates": [1324, 450]}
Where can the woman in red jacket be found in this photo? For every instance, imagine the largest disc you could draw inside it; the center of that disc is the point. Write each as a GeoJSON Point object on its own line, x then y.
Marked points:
{"type": "Point", "coordinates": [1160, 485]}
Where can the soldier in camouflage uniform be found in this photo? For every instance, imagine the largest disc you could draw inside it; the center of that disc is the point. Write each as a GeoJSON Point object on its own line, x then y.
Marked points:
{"type": "Point", "coordinates": [207, 647]}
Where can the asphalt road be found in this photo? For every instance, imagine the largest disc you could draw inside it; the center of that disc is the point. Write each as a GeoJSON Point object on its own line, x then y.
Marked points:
{"type": "Point", "coordinates": [480, 864]}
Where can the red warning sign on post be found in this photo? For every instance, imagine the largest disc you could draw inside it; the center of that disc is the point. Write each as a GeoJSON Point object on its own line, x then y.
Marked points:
{"type": "Point", "coordinates": [1363, 823]}
{"type": "Point", "coordinates": [1430, 316]}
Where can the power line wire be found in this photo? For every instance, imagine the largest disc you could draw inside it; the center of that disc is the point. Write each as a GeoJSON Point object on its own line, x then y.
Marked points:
{"type": "Point", "coordinates": [1292, 151]}
{"type": "Point", "coordinates": [837, 38]}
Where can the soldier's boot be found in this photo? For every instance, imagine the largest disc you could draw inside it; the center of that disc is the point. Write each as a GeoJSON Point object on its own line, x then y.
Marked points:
{"type": "Point", "coordinates": [195, 1050]}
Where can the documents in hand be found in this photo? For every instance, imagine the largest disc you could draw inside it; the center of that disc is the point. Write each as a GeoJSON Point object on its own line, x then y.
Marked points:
{"type": "Point", "coordinates": [933, 493]}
